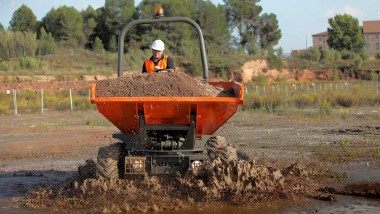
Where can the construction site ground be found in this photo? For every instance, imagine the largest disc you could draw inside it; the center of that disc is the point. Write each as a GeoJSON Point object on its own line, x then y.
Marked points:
{"type": "Point", "coordinates": [328, 165]}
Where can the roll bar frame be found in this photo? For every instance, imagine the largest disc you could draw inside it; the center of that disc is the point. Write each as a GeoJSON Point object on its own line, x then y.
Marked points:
{"type": "Point", "coordinates": [162, 20]}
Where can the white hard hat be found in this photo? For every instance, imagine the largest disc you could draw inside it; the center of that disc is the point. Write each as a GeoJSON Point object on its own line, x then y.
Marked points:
{"type": "Point", "coordinates": [158, 45]}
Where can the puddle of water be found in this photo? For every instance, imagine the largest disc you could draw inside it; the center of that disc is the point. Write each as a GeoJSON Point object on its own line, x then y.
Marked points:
{"type": "Point", "coordinates": [343, 204]}
{"type": "Point", "coordinates": [6, 206]}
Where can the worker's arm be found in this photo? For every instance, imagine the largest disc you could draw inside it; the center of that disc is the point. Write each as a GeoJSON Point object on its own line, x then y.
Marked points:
{"type": "Point", "coordinates": [170, 64]}
{"type": "Point", "coordinates": [143, 69]}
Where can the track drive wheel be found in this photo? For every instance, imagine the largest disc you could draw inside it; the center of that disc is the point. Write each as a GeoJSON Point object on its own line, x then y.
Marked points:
{"type": "Point", "coordinates": [107, 161]}
{"type": "Point", "coordinates": [217, 147]}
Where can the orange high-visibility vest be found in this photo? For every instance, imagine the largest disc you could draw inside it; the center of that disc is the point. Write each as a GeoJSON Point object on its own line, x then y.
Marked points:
{"type": "Point", "coordinates": [149, 64]}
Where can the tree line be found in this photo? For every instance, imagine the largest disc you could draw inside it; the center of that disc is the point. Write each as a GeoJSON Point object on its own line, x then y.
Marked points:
{"type": "Point", "coordinates": [236, 26]}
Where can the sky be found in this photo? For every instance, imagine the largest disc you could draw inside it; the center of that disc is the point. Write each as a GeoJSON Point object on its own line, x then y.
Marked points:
{"type": "Point", "coordinates": [298, 19]}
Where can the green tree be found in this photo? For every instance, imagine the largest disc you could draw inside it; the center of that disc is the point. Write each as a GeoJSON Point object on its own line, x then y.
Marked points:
{"type": "Point", "coordinates": [243, 17]}
{"type": "Point", "coordinates": [280, 52]}
{"type": "Point", "coordinates": [89, 23]}
{"type": "Point", "coordinates": [1, 27]}
{"type": "Point", "coordinates": [46, 44]}
{"type": "Point", "coordinates": [112, 44]}
{"type": "Point", "coordinates": [65, 24]}
{"type": "Point", "coordinates": [15, 44]}
{"type": "Point", "coordinates": [113, 16]}
{"type": "Point", "coordinates": [179, 34]}
{"type": "Point", "coordinates": [98, 45]}
{"type": "Point", "coordinates": [345, 33]}
{"type": "Point", "coordinates": [211, 19]}
{"type": "Point", "coordinates": [23, 19]}
{"type": "Point", "coordinates": [269, 32]}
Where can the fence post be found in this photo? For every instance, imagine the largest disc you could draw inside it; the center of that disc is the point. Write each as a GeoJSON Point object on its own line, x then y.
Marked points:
{"type": "Point", "coordinates": [286, 90]}
{"type": "Point", "coordinates": [42, 100]}
{"type": "Point", "coordinates": [15, 100]}
{"type": "Point", "coordinates": [71, 101]}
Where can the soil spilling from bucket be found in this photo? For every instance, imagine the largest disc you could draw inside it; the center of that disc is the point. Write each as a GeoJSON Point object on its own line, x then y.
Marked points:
{"type": "Point", "coordinates": [169, 84]}
{"type": "Point", "coordinates": [237, 182]}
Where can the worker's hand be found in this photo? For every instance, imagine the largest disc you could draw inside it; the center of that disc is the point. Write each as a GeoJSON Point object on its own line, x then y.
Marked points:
{"type": "Point", "coordinates": [164, 70]}
{"type": "Point", "coordinates": [157, 68]}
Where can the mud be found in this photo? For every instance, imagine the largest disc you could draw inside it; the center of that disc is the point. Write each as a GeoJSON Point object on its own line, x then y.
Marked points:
{"type": "Point", "coordinates": [172, 84]}
{"type": "Point", "coordinates": [234, 183]}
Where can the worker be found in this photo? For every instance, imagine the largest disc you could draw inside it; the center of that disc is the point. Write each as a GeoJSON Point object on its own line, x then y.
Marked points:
{"type": "Point", "coordinates": [158, 62]}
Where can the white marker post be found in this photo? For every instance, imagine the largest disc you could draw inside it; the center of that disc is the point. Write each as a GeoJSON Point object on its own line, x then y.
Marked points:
{"type": "Point", "coordinates": [71, 101]}
{"type": "Point", "coordinates": [42, 101]}
{"type": "Point", "coordinates": [15, 100]}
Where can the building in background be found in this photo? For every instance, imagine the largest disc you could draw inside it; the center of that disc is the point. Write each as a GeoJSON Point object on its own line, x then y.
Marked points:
{"type": "Point", "coordinates": [370, 30]}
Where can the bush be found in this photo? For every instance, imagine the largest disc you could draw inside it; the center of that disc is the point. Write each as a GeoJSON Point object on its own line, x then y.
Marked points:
{"type": "Point", "coordinates": [337, 55]}
{"type": "Point", "coordinates": [98, 45]}
{"type": "Point", "coordinates": [358, 62]}
{"type": "Point", "coordinates": [345, 100]}
{"type": "Point", "coordinates": [261, 79]}
{"type": "Point", "coordinates": [373, 76]}
{"type": "Point", "coordinates": [324, 108]}
{"type": "Point", "coordinates": [326, 55]}
{"type": "Point", "coordinates": [312, 54]}
{"type": "Point", "coordinates": [348, 55]}
{"type": "Point", "coordinates": [46, 44]}
{"type": "Point", "coordinates": [275, 62]}
{"type": "Point", "coordinates": [17, 44]}
{"type": "Point", "coordinates": [252, 102]}
{"type": "Point", "coordinates": [377, 56]}
{"type": "Point", "coordinates": [302, 100]}
{"type": "Point", "coordinates": [29, 63]}
{"type": "Point", "coordinates": [272, 102]}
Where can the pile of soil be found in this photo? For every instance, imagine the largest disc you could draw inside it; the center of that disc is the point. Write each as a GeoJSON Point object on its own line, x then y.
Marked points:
{"type": "Point", "coordinates": [169, 84]}
{"type": "Point", "coordinates": [237, 182]}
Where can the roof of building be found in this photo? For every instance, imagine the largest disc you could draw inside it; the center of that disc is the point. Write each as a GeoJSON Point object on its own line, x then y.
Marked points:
{"type": "Point", "coordinates": [371, 26]}
{"type": "Point", "coordinates": [321, 34]}
{"type": "Point", "coordinates": [298, 52]}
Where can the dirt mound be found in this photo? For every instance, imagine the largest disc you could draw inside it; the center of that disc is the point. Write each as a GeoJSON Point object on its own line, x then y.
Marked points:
{"type": "Point", "coordinates": [236, 182]}
{"type": "Point", "coordinates": [254, 68]}
{"type": "Point", "coordinates": [175, 84]}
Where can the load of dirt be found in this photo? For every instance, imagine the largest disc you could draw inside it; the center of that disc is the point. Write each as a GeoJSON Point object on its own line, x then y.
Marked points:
{"type": "Point", "coordinates": [236, 182]}
{"type": "Point", "coordinates": [167, 84]}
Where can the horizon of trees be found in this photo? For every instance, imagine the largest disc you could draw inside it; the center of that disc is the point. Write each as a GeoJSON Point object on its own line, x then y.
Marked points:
{"type": "Point", "coordinates": [99, 28]}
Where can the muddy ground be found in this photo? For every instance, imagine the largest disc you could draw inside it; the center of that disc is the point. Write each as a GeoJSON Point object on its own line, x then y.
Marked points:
{"type": "Point", "coordinates": [302, 164]}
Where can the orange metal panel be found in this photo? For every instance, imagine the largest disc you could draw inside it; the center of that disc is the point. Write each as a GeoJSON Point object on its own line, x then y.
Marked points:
{"type": "Point", "coordinates": [211, 112]}
{"type": "Point", "coordinates": [166, 113]}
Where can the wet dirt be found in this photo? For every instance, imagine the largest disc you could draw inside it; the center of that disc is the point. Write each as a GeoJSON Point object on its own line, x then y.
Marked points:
{"type": "Point", "coordinates": [295, 165]}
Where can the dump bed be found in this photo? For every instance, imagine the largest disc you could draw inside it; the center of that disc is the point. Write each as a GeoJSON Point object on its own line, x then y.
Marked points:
{"type": "Point", "coordinates": [211, 112]}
